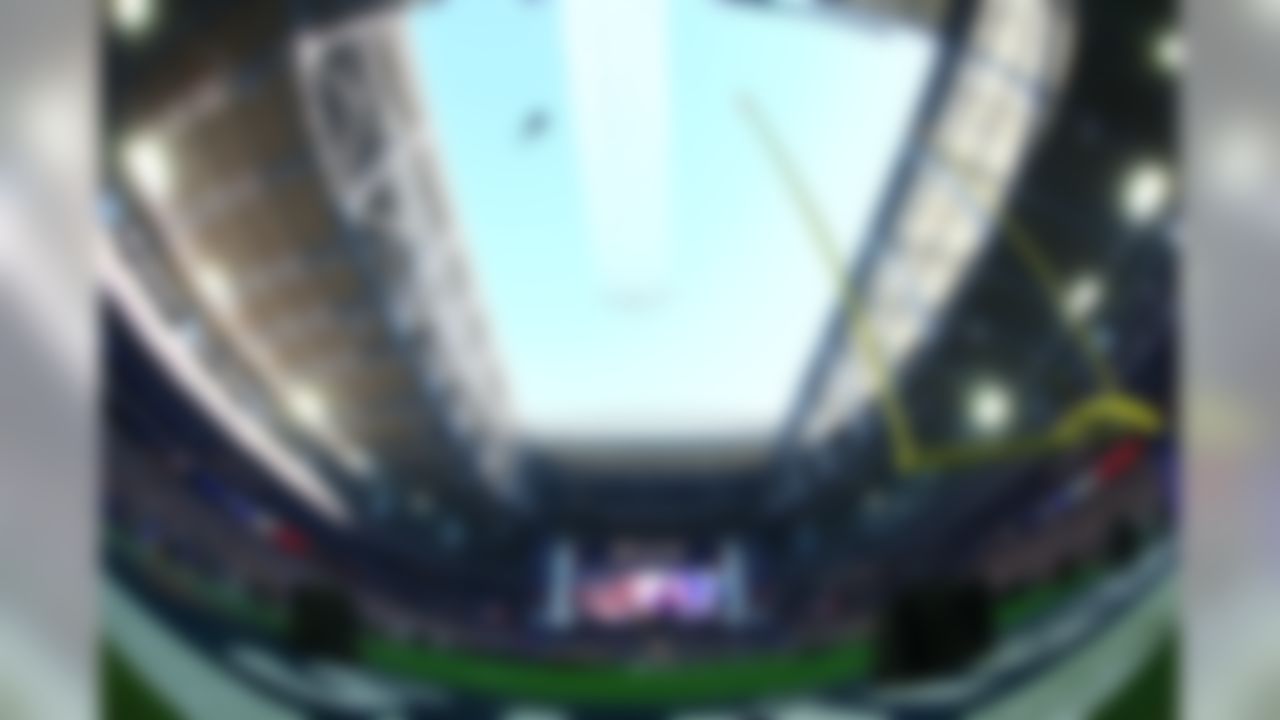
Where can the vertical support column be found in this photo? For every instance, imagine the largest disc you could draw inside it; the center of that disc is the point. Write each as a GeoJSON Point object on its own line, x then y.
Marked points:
{"type": "Point", "coordinates": [733, 573]}
{"type": "Point", "coordinates": [562, 568]}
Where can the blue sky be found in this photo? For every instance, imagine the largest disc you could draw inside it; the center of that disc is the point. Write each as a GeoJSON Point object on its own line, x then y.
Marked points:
{"type": "Point", "coordinates": [645, 273]}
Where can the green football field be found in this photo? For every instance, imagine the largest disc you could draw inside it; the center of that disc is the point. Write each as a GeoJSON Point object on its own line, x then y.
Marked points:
{"type": "Point", "coordinates": [621, 685]}
{"type": "Point", "coordinates": [1150, 695]}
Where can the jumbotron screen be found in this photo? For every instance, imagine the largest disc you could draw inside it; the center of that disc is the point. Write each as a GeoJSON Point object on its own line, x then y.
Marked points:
{"type": "Point", "coordinates": [651, 593]}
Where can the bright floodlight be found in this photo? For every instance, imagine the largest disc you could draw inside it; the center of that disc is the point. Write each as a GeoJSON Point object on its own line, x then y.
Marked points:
{"type": "Point", "coordinates": [214, 286]}
{"type": "Point", "coordinates": [134, 17]}
{"type": "Point", "coordinates": [1168, 51]}
{"type": "Point", "coordinates": [990, 408]}
{"type": "Point", "coordinates": [1145, 193]}
{"type": "Point", "coordinates": [149, 165]}
{"type": "Point", "coordinates": [1082, 297]}
{"type": "Point", "coordinates": [307, 407]}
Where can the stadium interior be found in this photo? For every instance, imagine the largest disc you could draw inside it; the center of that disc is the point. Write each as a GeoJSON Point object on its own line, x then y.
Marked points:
{"type": "Point", "coordinates": [607, 359]}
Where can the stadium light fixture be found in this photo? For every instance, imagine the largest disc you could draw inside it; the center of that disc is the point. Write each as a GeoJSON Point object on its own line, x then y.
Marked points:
{"type": "Point", "coordinates": [307, 407]}
{"type": "Point", "coordinates": [990, 407]}
{"type": "Point", "coordinates": [149, 165]}
{"type": "Point", "coordinates": [1168, 51]}
{"type": "Point", "coordinates": [1145, 192]}
{"type": "Point", "coordinates": [135, 18]}
{"type": "Point", "coordinates": [214, 286]}
{"type": "Point", "coordinates": [1082, 297]}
